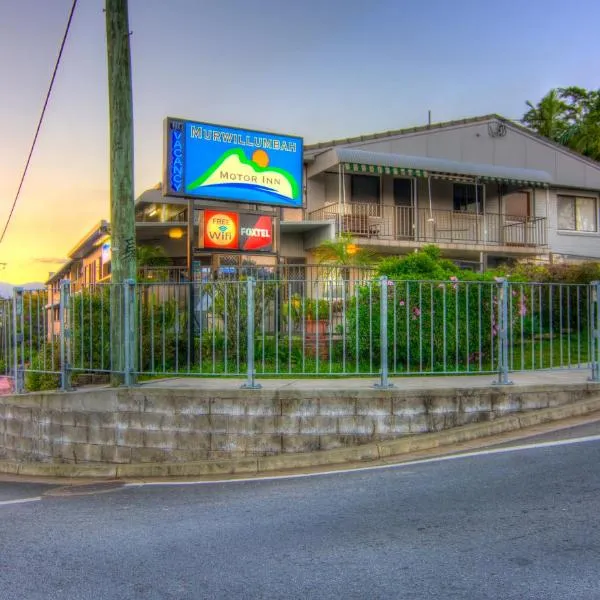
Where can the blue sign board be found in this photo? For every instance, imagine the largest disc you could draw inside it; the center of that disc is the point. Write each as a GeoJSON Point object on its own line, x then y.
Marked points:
{"type": "Point", "coordinates": [226, 163]}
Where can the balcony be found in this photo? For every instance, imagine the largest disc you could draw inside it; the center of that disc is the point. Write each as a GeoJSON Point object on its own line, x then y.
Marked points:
{"type": "Point", "coordinates": [404, 223]}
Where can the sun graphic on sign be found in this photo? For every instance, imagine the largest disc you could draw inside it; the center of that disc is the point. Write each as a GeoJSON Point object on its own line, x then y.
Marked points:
{"type": "Point", "coordinates": [260, 158]}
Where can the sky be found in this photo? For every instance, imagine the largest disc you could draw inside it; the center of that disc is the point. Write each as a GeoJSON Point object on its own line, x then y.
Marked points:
{"type": "Point", "coordinates": [320, 69]}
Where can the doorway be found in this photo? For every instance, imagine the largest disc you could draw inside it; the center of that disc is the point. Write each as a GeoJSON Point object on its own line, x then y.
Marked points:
{"type": "Point", "coordinates": [404, 212]}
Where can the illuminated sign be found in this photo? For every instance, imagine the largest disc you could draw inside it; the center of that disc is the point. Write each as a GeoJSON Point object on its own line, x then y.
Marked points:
{"type": "Point", "coordinates": [220, 230]}
{"type": "Point", "coordinates": [105, 253]}
{"type": "Point", "coordinates": [226, 163]}
{"type": "Point", "coordinates": [256, 233]}
{"type": "Point", "coordinates": [225, 230]}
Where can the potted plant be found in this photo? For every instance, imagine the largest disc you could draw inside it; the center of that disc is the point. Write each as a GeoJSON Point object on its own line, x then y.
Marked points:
{"type": "Point", "coordinates": [317, 315]}
{"type": "Point", "coordinates": [310, 311]}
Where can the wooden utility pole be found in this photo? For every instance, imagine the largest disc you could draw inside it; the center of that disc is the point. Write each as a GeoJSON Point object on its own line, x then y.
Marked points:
{"type": "Point", "coordinates": [122, 213]}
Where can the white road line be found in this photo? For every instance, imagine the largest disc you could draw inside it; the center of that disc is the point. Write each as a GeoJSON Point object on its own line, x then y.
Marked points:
{"type": "Point", "coordinates": [19, 501]}
{"type": "Point", "coordinates": [258, 478]}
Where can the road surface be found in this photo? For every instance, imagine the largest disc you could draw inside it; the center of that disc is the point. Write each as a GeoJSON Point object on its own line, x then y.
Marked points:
{"type": "Point", "coordinates": [512, 524]}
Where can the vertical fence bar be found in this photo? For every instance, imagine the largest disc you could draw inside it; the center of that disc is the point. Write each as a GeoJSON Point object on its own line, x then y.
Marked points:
{"type": "Point", "coordinates": [595, 331]}
{"type": "Point", "coordinates": [383, 333]}
{"type": "Point", "coordinates": [503, 334]}
{"type": "Point", "coordinates": [250, 382]}
{"type": "Point", "coordinates": [18, 366]}
{"type": "Point", "coordinates": [65, 333]}
{"type": "Point", "coordinates": [129, 327]}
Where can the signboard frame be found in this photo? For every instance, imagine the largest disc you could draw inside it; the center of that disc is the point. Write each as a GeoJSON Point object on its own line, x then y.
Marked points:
{"type": "Point", "coordinates": [175, 151]}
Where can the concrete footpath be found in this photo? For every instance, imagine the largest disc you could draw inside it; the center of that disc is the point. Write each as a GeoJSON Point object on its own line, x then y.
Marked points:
{"type": "Point", "coordinates": [403, 448]}
{"type": "Point", "coordinates": [559, 378]}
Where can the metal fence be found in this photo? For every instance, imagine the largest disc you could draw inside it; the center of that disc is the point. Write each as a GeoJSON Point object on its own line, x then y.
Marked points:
{"type": "Point", "coordinates": [296, 327]}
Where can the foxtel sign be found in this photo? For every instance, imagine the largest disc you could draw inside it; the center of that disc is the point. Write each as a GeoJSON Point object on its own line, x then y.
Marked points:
{"type": "Point", "coordinates": [226, 230]}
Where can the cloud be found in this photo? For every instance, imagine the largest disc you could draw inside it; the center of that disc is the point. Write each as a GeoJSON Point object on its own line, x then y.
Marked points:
{"type": "Point", "coordinates": [50, 261]}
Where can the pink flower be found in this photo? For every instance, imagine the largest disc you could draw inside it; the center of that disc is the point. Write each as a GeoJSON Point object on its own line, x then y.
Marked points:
{"type": "Point", "coordinates": [523, 310]}
{"type": "Point", "coordinates": [441, 285]}
{"type": "Point", "coordinates": [416, 311]}
{"type": "Point", "coordinates": [401, 302]}
{"type": "Point", "coordinates": [453, 278]}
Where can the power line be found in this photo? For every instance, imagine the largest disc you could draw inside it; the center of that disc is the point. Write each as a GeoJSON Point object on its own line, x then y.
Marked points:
{"type": "Point", "coordinates": [41, 119]}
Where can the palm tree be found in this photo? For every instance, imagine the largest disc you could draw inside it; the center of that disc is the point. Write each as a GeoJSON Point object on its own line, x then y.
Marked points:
{"type": "Point", "coordinates": [343, 253]}
{"type": "Point", "coordinates": [549, 117]}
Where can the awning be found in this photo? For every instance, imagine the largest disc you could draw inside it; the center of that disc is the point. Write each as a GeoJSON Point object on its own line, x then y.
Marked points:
{"type": "Point", "coordinates": [362, 161]}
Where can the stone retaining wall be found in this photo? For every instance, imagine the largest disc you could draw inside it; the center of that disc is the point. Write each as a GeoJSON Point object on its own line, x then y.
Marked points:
{"type": "Point", "coordinates": [156, 425]}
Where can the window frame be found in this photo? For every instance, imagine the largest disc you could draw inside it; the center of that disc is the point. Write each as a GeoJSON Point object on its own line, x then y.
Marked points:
{"type": "Point", "coordinates": [574, 198]}
{"type": "Point", "coordinates": [479, 204]}
{"type": "Point", "coordinates": [353, 178]}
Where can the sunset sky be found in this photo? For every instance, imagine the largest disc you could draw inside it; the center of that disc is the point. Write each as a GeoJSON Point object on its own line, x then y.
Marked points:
{"type": "Point", "coordinates": [319, 69]}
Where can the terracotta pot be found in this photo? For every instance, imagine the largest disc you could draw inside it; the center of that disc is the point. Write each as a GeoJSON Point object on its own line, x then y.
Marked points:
{"type": "Point", "coordinates": [320, 327]}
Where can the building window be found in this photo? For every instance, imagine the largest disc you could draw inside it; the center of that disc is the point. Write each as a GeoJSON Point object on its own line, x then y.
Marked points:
{"type": "Point", "coordinates": [577, 213]}
{"type": "Point", "coordinates": [468, 198]}
{"type": "Point", "coordinates": [365, 189]}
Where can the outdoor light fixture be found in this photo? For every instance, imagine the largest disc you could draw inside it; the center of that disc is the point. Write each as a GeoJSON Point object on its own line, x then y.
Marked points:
{"type": "Point", "coordinates": [176, 233]}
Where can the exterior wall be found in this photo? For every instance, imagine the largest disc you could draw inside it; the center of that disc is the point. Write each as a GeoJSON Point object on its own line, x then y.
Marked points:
{"type": "Point", "coordinates": [142, 425]}
{"type": "Point", "coordinates": [472, 143]}
{"type": "Point", "coordinates": [292, 245]}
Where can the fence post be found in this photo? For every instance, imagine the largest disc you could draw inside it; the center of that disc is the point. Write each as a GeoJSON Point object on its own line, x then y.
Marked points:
{"type": "Point", "coordinates": [595, 331]}
{"type": "Point", "coordinates": [129, 322]}
{"type": "Point", "coordinates": [250, 381]}
{"type": "Point", "coordinates": [18, 338]}
{"type": "Point", "coordinates": [65, 334]}
{"type": "Point", "coordinates": [383, 334]}
{"type": "Point", "coordinates": [503, 293]}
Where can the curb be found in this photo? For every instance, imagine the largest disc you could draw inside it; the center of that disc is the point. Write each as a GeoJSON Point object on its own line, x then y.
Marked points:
{"type": "Point", "coordinates": [287, 462]}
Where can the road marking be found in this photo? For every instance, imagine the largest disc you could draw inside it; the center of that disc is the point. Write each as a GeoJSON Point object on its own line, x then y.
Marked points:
{"type": "Point", "coordinates": [19, 501]}
{"type": "Point", "coordinates": [534, 446]}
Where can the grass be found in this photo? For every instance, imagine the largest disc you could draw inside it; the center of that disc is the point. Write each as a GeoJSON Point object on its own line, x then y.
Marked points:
{"type": "Point", "coordinates": [565, 351]}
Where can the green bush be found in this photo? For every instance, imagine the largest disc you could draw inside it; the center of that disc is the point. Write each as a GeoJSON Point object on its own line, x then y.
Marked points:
{"type": "Point", "coordinates": [434, 325]}
{"type": "Point", "coordinates": [42, 372]}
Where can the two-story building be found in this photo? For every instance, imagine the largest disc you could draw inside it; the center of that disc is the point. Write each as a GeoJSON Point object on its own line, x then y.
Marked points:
{"type": "Point", "coordinates": [483, 189]}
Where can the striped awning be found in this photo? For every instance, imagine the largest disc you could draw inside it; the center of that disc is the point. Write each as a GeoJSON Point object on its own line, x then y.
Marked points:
{"type": "Point", "coordinates": [378, 169]}
{"type": "Point", "coordinates": [355, 160]}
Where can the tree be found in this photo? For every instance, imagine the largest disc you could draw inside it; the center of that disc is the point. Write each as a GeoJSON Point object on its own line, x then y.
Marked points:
{"type": "Point", "coordinates": [569, 116]}
{"type": "Point", "coordinates": [152, 256]}
{"type": "Point", "coordinates": [548, 117]}
{"type": "Point", "coordinates": [343, 253]}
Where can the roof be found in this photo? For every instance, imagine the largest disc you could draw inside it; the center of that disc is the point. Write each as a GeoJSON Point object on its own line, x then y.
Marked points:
{"type": "Point", "coordinates": [356, 157]}
{"type": "Point", "coordinates": [313, 149]}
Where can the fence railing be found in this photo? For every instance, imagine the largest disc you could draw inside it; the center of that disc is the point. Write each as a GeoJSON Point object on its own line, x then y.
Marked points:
{"type": "Point", "coordinates": [361, 326]}
{"type": "Point", "coordinates": [437, 226]}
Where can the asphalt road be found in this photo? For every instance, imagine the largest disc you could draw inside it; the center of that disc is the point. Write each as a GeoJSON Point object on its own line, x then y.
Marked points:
{"type": "Point", "coordinates": [522, 524]}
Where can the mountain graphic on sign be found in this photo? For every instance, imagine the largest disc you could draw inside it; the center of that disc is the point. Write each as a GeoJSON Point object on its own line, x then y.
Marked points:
{"type": "Point", "coordinates": [235, 170]}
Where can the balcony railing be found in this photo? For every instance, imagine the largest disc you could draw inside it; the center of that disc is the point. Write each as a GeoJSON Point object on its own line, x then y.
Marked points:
{"type": "Point", "coordinates": [435, 226]}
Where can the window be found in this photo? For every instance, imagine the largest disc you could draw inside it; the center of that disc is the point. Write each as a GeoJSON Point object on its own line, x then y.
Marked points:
{"type": "Point", "coordinates": [365, 189]}
{"type": "Point", "coordinates": [468, 198]}
{"type": "Point", "coordinates": [576, 213]}
{"type": "Point", "coordinates": [402, 192]}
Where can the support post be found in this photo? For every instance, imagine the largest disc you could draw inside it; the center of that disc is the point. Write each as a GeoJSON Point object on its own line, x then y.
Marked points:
{"type": "Point", "coordinates": [251, 375]}
{"type": "Point", "coordinates": [18, 340]}
{"type": "Point", "coordinates": [595, 331]}
{"type": "Point", "coordinates": [190, 269]}
{"type": "Point", "coordinates": [65, 333]}
{"type": "Point", "coordinates": [503, 293]}
{"type": "Point", "coordinates": [384, 383]}
{"type": "Point", "coordinates": [122, 213]}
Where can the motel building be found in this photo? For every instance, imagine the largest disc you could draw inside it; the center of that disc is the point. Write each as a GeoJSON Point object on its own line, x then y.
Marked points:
{"type": "Point", "coordinates": [485, 190]}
